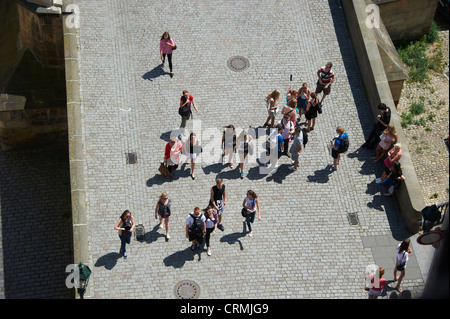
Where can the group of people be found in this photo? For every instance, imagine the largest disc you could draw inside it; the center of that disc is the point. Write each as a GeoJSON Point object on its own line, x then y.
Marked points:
{"type": "Point", "coordinates": [200, 224]}
{"type": "Point", "coordinates": [377, 285]}
{"type": "Point", "coordinates": [384, 137]}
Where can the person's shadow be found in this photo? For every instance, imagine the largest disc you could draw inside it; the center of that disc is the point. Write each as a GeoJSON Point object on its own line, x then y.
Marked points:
{"type": "Point", "coordinates": [108, 261]}
{"type": "Point", "coordinates": [321, 175]}
{"type": "Point", "coordinates": [155, 73]}
{"type": "Point", "coordinates": [234, 238]}
{"type": "Point", "coordinates": [179, 258]}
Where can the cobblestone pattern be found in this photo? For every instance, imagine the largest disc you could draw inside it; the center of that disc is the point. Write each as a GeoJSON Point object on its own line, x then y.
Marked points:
{"type": "Point", "coordinates": [35, 225]}
{"type": "Point", "coordinates": [304, 246]}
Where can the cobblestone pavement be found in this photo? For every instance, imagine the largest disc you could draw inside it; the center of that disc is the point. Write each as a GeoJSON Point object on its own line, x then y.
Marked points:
{"type": "Point", "coordinates": [304, 246]}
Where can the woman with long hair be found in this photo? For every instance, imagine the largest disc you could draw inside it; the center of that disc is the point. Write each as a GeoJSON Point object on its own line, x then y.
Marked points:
{"type": "Point", "coordinates": [125, 225]}
{"type": "Point", "coordinates": [162, 210]}
{"type": "Point", "coordinates": [251, 205]}
{"type": "Point", "coordinates": [388, 138]}
{"type": "Point", "coordinates": [403, 251]}
{"type": "Point", "coordinates": [229, 143]}
{"type": "Point", "coordinates": [272, 107]}
{"type": "Point", "coordinates": [166, 47]}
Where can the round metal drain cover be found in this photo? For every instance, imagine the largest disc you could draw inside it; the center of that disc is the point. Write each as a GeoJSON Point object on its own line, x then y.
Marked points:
{"type": "Point", "coordinates": [187, 289]}
{"type": "Point", "coordinates": [238, 63]}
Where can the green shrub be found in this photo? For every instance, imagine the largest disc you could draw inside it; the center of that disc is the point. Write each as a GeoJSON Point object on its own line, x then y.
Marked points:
{"type": "Point", "coordinates": [417, 108]}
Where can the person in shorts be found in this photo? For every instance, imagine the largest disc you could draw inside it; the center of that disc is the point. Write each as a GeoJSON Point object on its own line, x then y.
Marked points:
{"type": "Point", "coordinates": [326, 78]}
{"type": "Point", "coordinates": [217, 200]}
{"type": "Point", "coordinates": [195, 234]}
{"type": "Point", "coordinates": [296, 148]}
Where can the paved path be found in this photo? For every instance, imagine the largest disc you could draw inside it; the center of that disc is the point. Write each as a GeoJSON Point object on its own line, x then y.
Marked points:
{"type": "Point", "coordinates": [304, 246]}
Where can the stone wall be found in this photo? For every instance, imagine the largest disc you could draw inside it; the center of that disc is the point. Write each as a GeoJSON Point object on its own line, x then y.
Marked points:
{"type": "Point", "coordinates": [409, 196]}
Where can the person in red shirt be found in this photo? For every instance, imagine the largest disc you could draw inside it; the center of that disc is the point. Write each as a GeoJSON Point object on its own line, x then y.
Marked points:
{"type": "Point", "coordinates": [172, 155]}
{"type": "Point", "coordinates": [186, 102]}
{"type": "Point", "coordinates": [378, 284]}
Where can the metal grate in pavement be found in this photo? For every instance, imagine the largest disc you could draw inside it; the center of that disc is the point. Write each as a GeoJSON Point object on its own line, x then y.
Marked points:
{"type": "Point", "coordinates": [238, 63]}
{"type": "Point", "coordinates": [131, 158]}
{"type": "Point", "coordinates": [353, 218]}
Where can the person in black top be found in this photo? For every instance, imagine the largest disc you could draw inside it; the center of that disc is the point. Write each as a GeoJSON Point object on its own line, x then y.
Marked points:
{"type": "Point", "coordinates": [383, 120]}
{"type": "Point", "coordinates": [217, 200]}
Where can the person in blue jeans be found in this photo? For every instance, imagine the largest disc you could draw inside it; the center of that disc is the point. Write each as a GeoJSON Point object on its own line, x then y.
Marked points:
{"type": "Point", "coordinates": [251, 203]}
{"type": "Point", "coordinates": [125, 225]}
{"type": "Point", "coordinates": [335, 146]}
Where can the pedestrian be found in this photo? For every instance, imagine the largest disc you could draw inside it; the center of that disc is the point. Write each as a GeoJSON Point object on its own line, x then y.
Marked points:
{"type": "Point", "coordinates": [172, 155]}
{"type": "Point", "coordinates": [274, 146]}
{"type": "Point", "coordinates": [166, 47]}
{"type": "Point", "coordinates": [195, 228]}
{"type": "Point", "coordinates": [185, 110]}
{"type": "Point", "coordinates": [403, 251]}
{"type": "Point", "coordinates": [312, 110]}
{"type": "Point", "coordinates": [125, 225]}
{"type": "Point", "coordinates": [288, 130]}
{"type": "Point", "coordinates": [290, 110]}
{"type": "Point", "coordinates": [250, 206]}
{"type": "Point", "coordinates": [387, 139]}
{"type": "Point", "coordinates": [393, 180]}
{"type": "Point", "coordinates": [272, 107]}
{"type": "Point", "coordinates": [245, 143]}
{"type": "Point", "coordinates": [383, 120]}
{"type": "Point", "coordinates": [229, 143]}
{"type": "Point", "coordinates": [296, 148]}
{"type": "Point", "coordinates": [304, 94]}
{"type": "Point", "coordinates": [217, 199]}
{"type": "Point", "coordinates": [162, 210]}
{"type": "Point", "coordinates": [326, 78]}
{"type": "Point", "coordinates": [211, 226]}
{"type": "Point", "coordinates": [394, 155]}
{"type": "Point", "coordinates": [292, 96]}
{"type": "Point", "coordinates": [337, 144]}
{"type": "Point", "coordinates": [192, 148]}
{"type": "Point", "coordinates": [378, 284]}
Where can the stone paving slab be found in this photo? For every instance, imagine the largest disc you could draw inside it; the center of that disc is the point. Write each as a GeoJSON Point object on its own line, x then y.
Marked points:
{"type": "Point", "coordinates": [304, 246]}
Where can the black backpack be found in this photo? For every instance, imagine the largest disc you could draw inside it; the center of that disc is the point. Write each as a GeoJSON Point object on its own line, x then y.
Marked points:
{"type": "Point", "coordinates": [343, 146]}
{"type": "Point", "coordinates": [305, 137]}
{"type": "Point", "coordinates": [197, 225]}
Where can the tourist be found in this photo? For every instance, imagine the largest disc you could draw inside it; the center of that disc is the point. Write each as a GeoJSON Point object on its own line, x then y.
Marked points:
{"type": "Point", "coordinates": [296, 148]}
{"type": "Point", "coordinates": [290, 110]}
{"type": "Point", "coordinates": [245, 143]}
{"type": "Point", "coordinates": [393, 180]}
{"type": "Point", "coordinates": [326, 78]}
{"type": "Point", "coordinates": [304, 94]}
{"type": "Point", "coordinates": [378, 284]}
{"type": "Point", "coordinates": [185, 110]}
{"type": "Point", "coordinates": [337, 146]}
{"type": "Point", "coordinates": [125, 225]}
{"type": "Point", "coordinates": [217, 199]}
{"type": "Point", "coordinates": [166, 47]}
{"type": "Point", "coordinates": [274, 147]}
{"type": "Point", "coordinates": [403, 251]}
{"type": "Point", "coordinates": [312, 110]}
{"type": "Point", "coordinates": [383, 120]}
{"type": "Point", "coordinates": [288, 130]}
{"type": "Point", "coordinates": [394, 155]}
{"type": "Point", "coordinates": [387, 139]}
{"type": "Point", "coordinates": [172, 155]}
{"type": "Point", "coordinates": [229, 143]}
{"type": "Point", "coordinates": [162, 210]}
{"type": "Point", "coordinates": [272, 107]}
{"type": "Point", "coordinates": [195, 228]}
{"type": "Point", "coordinates": [192, 148]}
{"type": "Point", "coordinates": [211, 225]}
{"type": "Point", "coordinates": [250, 206]}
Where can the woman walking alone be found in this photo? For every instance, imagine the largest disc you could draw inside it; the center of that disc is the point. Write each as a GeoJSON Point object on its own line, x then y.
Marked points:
{"type": "Point", "coordinates": [162, 210]}
{"type": "Point", "coordinates": [401, 260]}
{"type": "Point", "coordinates": [251, 205]}
{"type": "Point", "coordinates": [125, 225]}
{"type": "Point", "coordinates": [166, 47]}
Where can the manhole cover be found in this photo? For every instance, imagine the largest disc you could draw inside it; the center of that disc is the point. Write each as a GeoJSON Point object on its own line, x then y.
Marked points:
{"type": "Point", "coordinates": [238, 63]}
{"type": "Point", "coordinates": [353, 218]}
{"type": "Point", "coordinates": [186, 289]}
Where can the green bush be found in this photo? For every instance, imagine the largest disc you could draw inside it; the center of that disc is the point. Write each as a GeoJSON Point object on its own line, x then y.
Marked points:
{"type": "Point", "coordinates": [417, 108]}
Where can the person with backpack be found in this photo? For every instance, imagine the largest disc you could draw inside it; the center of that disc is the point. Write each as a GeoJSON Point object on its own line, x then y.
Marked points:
{"type": "Point", "coordinates": [211, 226]}
{"type": "Point", "coordinates": [162, 210]}
{"type": "Point", "coordinates": [296, 148]}
{"type": "Point", "coordinates": [125, 225]}
{"type": "Point", "coordinates": [195, 228]}
{"type": "Point", "coordinates": [250, 205]}
{"type": "Point", "coordinates": [186, 103]}
{"type": "Point", "coordinates": [339, 145]}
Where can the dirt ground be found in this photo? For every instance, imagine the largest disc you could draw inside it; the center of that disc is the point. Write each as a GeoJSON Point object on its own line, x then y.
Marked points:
{"type": "Point", "coordinates": [427, 144]}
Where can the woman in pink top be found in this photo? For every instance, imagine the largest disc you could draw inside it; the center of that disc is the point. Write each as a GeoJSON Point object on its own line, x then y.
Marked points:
{"type": "Point", "coordinates": [166, 47]}
{"type": "Point", "coordinates": [389, 137]}
{"type": "Point", "coordinates": [394, 155]}
{"type": "Point", "coordinates": [377, 284]}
